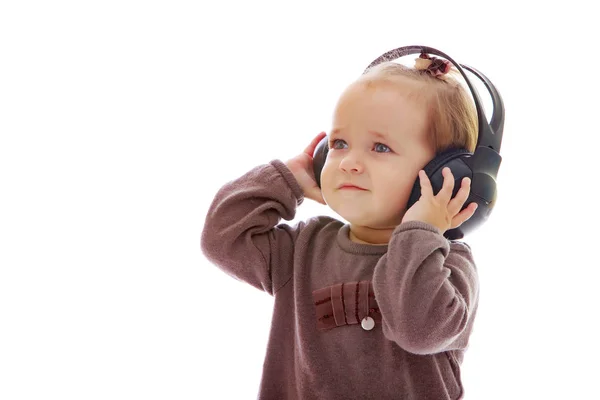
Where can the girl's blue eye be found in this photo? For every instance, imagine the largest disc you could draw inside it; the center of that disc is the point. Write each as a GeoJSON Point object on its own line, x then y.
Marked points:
{"type": "Point", "coordinates": [335, 141]}
{"type": "Point", "coordinates": [383, 146]}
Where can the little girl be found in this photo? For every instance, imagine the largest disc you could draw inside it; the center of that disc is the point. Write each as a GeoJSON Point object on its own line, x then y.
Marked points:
{"type": "Point", "coordinates": [380, 307]}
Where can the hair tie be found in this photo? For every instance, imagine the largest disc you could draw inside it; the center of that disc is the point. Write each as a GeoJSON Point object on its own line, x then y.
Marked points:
{"type": "Point", "coordinates": [432, 65]}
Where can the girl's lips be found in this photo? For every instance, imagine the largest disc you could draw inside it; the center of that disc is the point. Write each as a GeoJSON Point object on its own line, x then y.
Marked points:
{"type": "Point", "coordinates": [350, 187]}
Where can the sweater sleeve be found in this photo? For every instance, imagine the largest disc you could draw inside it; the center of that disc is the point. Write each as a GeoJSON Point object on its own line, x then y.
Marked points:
{"type": "Point", "coordinates": [242, 235]}
{"type": "Point", "coordinates": [427, 289]}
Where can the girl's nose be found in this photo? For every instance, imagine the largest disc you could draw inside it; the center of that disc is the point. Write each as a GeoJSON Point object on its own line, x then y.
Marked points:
{"type": "Point", "coordinates": [351, 164]}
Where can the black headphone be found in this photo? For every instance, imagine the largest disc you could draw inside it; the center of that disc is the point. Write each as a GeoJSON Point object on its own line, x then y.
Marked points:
{"type": "Point", "coordinates": [481, 166]}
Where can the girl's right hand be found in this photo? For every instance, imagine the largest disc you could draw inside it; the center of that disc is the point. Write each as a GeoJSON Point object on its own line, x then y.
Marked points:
{"type": "Point", "coordinates": [302, 168]}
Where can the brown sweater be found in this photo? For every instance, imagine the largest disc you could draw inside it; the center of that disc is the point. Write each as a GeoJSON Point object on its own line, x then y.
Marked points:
{"type": "Point", "coordinates": [420, 290]}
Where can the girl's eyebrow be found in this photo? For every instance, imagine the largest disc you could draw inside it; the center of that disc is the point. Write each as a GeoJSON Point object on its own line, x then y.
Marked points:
{"type": "Point", "coordinates": [378, 135]}
{"type": "Point", "coordinates": [383, 136]}
{"type": "Point", "coordinates": [373, 133]}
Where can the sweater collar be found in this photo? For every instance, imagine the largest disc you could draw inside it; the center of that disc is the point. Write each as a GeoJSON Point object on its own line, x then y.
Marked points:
{"type": "Point", "coordinates": [343, 240]}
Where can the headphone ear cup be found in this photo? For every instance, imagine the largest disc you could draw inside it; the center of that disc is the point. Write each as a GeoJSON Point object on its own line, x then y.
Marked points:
{"type": "Point", "coordinates": [453, 159]}
{"type": "Point", "coordinates": [319, 158]}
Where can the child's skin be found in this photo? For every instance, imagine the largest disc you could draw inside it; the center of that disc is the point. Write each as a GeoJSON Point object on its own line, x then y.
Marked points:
{"type": "Point", "coordinates": [385, 167]}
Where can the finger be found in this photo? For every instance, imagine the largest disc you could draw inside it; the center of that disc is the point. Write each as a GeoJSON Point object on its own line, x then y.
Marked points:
{"type": "Point", "coordinates": [426, 189]}
{"type": "Point", "coordinates": [464, 215]}
{"type": "Point", "coordinates": [310, 149]}
{"type": "Point", "coordinates": [461, 196]}
{"type": "Point", "coordinates": [445, 193]}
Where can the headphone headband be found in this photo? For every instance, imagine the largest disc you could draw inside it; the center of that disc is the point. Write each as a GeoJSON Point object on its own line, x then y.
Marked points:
{"type": "Point", "coordinates": [489, 134]}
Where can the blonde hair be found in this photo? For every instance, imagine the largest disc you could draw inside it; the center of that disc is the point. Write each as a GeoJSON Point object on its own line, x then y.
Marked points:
{"type": "Point", "coordinates": [453, 117]}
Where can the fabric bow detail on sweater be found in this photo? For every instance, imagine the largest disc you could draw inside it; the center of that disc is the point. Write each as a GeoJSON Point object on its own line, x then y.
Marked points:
{"type": "Point", "coordinates": [345, 303]}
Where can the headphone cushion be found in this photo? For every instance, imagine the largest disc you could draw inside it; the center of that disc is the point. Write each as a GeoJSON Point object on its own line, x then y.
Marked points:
{"type": "Point", "coordinates": [443, 158]}
{"type": "Point", "coordinates": [433, 171]}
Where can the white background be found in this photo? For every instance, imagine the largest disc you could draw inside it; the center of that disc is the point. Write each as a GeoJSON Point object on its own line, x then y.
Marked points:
{"type": "Point", "coordinates": [119, 121]}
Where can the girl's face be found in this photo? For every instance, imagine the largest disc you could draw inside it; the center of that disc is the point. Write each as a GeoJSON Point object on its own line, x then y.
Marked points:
{"type": "Point", "coordinates": [379, 142]}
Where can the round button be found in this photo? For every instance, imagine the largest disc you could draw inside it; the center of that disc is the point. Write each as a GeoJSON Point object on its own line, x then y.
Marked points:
{"type": "Point", "coordinates": [367, 323]}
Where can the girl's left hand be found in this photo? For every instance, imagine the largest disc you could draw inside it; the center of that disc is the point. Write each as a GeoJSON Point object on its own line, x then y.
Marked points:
{"type": "Point", "coordinates": [441, 211]}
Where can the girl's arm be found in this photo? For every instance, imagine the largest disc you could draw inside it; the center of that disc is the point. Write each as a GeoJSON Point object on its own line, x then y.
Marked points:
{"type": "Point", "coordinates": [427, 289]}
{"type": "Point", "coordinates": [242, 234]}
